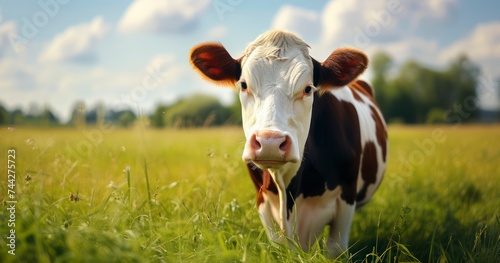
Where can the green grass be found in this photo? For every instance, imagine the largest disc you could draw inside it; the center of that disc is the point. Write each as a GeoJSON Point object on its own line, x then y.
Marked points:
{"type": "Point", "coordinates": [185, 196]}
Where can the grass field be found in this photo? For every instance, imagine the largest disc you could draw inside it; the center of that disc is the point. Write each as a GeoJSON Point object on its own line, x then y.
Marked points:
{"type": "Point", "coordinates": [186, 197]}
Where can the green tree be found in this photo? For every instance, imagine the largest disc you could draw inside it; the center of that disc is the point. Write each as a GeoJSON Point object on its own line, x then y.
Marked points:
{"type": "Point", "coordinates": [417, 94]}
{"type": "Point", "coordinates": [462, 76]}
{"type": "Point", "coordinates": [48, 118]}
{"type": "Point", "coordinates": [157, 118]}
{"type": "Point", "coordinates": [235, 109]}
{"type": "Point", "coordinates": [4, 115]}
{"type": "Point", "coordinates": [78, 118]}
{"type": "Point", "coordinates": [196, 111]}
{"type": "Point", "coordinates": [126, 118]}
{"type": "Point", "coordinates": [17, 117]}
{"type": "Point", "coordinates": [380, 65]}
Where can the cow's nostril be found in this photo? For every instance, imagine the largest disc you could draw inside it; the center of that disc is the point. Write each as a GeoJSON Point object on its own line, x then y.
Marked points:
{"type": "Point", "coordinates": [254, 143]}
{"type": "Point", "coordinates": [285, 145]}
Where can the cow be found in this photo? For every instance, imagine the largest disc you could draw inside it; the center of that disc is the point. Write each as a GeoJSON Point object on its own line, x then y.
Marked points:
{"type": "Point", "coordinates": [316, 142]}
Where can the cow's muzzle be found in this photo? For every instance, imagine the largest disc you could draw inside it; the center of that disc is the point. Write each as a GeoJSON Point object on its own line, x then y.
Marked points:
{"type": "Point", "coordinates": [268, 148]}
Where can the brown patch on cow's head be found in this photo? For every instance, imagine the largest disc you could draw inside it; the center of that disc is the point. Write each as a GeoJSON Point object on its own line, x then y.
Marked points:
{"type": "Point", "coordinates": [215, 64]}
{"type": "Point", "coordinates": [340, 68]}
{"type": "Point", "coordinates": [381, 132]}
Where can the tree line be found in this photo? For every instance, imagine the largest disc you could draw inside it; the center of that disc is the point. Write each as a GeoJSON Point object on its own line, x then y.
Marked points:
{"type": "Point", "coordinates": [80, 115]}
{"type": "Point", "coordinates": [419, 94]}
{"type": "Point", "coordinates": [195, 111]}
{"type": "Point", "coordinates": [410, 94]}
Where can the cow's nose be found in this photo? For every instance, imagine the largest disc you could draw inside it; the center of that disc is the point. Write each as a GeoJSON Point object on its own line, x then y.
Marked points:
{"type": "Point", "coordinates": [270, 146]}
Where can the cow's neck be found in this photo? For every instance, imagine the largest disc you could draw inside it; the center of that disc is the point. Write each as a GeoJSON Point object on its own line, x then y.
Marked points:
{"type": "Point", "coordinates": [285, 174]}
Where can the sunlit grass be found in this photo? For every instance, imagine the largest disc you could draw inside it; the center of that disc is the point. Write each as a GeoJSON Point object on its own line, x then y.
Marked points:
{"type": "Point", "coordinates": [186, 197]}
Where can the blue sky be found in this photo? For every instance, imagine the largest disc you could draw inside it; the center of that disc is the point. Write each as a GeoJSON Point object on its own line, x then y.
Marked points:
{"type": "Point", "coordinates": [133, 54]}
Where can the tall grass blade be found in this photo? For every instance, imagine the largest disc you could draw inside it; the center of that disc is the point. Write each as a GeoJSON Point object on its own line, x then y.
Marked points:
{"type": "Point", "coordinates": [147, 181]}
{"type": "Point", "coordinates": [127, 173]}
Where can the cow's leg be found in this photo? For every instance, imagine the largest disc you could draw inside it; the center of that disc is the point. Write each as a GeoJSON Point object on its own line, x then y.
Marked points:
{"type": "Point", "coordinates": [266, 217]}
{"type": "Point", "coordinates": [338, 239]}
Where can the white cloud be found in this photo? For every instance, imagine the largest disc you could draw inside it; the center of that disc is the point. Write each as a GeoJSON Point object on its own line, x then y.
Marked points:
{"type": "Point", "coordinates": [483, 43]}
{"type": "Point", "coordinates": [305, 23]}
{"type": "Point", "coordinates": [439, 9]}
{"type": "Point", "coordinates": [165, 70]}
{"type": "Point", "coordinates": [217, 32]}
{"type": "Point", "coordinates": [162, 16]}
{"type": "Point", "coordinates": [61, 86]}
{"type": "Point", "coordinates": [365, 23]}
{"type": "Point", "coordinates": [16, 75]}
{"type": "Point", "coordinates": [343, 21]}
{"type": "Point", "coordinates": [20, 85]}
{"type": "Point", "coordinates": [160, 79]}
{"type": "Point", "coordinates": [95, 82]}
{"type": "Point", "coordinates": [77, 43]}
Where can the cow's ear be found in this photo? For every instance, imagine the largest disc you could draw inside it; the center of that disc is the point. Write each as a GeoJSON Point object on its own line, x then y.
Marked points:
{"type": "Point", "coordinates": [214, 63]}
{"type": "Point", "coordinates": [340, 68]}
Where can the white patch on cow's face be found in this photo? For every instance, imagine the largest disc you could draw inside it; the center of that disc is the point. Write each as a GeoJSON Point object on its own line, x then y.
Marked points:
{"type": "Point", "coordinates": [277, 97]}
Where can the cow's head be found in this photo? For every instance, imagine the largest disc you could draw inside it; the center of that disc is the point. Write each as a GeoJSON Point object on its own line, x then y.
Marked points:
{"type": "Point", "coordinates": [276, 79]}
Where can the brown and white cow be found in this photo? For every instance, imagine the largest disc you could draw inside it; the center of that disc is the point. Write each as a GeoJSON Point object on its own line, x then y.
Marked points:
{"type": "Point", "coordinates": [316, 141]}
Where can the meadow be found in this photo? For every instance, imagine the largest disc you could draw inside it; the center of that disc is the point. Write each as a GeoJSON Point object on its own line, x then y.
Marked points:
{"type": "Point", "coordinates": [145, 195]}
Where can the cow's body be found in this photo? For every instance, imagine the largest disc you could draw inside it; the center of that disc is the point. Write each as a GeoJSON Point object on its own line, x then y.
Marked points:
{"type": "Point", "coordinates": [343, 164]}
{"type": "Point", "coordinates": [313, 156]}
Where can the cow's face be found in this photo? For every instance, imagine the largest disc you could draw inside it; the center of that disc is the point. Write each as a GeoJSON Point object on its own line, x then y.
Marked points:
{"type": "Point", "coordinates": [276, 100]}
{"type": "Point", "coordinates": [276, 79]}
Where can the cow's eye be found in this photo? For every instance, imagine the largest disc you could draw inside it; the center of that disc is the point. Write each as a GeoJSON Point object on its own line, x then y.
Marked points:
{"type": "Point", "coordinates": [243, 85]}
{"type": "Point", "coordinates": [308, 90]}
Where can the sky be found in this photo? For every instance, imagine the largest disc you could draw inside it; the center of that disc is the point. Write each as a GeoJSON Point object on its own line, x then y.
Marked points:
{"type": "Point", "coordinates": [134, 54]}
